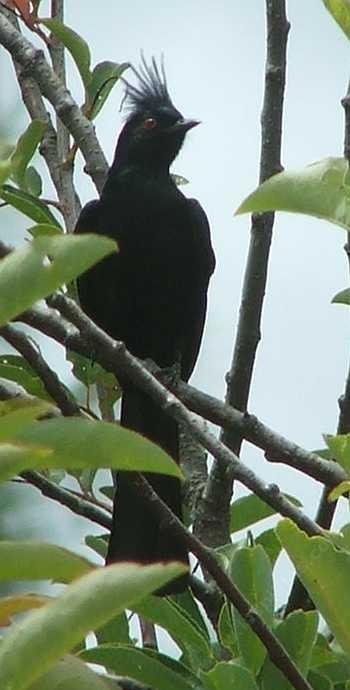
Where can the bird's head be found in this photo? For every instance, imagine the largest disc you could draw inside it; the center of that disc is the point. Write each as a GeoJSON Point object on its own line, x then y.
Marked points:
{"type": "Point", "coordinates": [155, 130]}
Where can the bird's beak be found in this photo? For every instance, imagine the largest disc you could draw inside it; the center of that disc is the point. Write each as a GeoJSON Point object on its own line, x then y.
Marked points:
{"type": "Point", "coordinates": [184, 125]}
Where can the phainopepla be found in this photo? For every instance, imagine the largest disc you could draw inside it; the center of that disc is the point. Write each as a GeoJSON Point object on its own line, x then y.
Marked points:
{"type": "Point", "coordinates": [152, 294]}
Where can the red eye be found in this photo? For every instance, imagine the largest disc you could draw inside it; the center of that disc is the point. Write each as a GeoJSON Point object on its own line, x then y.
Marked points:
{"type": "Point", "coordinates": [150, 123]}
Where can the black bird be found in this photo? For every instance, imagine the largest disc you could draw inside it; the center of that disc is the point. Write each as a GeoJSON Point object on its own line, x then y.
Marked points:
{"type": "Point", "coordinates": [152, 294]}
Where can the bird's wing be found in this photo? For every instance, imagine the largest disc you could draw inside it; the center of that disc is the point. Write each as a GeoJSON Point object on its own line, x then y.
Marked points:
{"type": "Point", "coordinates": [197, 298]}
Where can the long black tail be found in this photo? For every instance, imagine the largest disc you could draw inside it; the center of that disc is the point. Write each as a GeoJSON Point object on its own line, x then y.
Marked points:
{"type": "Point", "coordinates": [138, 535]}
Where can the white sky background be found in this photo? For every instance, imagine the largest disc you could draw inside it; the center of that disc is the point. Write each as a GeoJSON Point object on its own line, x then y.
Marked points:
{"type": "Point", "coordinates": [214, 55]}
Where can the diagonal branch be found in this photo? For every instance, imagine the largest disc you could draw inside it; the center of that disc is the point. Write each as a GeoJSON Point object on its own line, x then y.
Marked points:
{"type": "Point", "coordinates": [248, 332]}
{"type": "Point", "coordinates": [33, 61]}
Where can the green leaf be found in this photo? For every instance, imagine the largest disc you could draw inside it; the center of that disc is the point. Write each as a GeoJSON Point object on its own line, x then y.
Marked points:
{"type": "Point", "coordinates": [147, 668]}
{"type": "Point", "coordinates": [5, 170]}
{"type": "Point", "coordinates": [340, 11]}
{"type": "Point", "coordinates": [319, 682]}
{"type": "Point", "coordinates": [342, 297]}
{"type": "Point", "coordinates": [227, 675]}
{"type": "Point", "coordinates": [26, 276]}
{"type": "Point", "coordinates": [76, 46]}
{"type": "Point", "coordinates": [18, 413]}
{"type": "Point", "coordinates": [270, 544]}
{"type": "Point", "coordinates": [97, 544]}
{"type": "Point", "coordinates": [69, 442]}
{"type": "Point", "coordinates": [25, 149]}
{"type": "Point", "coordinates": [70, 673]}
{"type": "Point", "coordinates": [27, 204]}
{"type": "Point", "coordinates": [338, 491]}
{"type": "Point", "coordinates": [103, 78]}
{"type": "Point", "coordinates": [226, 630]}
{"type": "Point", "coordinates": [251, 572]}
{"type": "Point", "coordinates": [14, 458]}
{"type": "Point", "coordinates": [45, 635]}
{"type": "Point", "coordinates": [248, 510]}
{"type": "Point", "coordinates": [325, 573]}
{"type": "Point", "coordinates": [15, 368]}
{"type": "Point", "coordinates": [317, 190]}
{"type": "Point", "coordinates": [32, 181]}
{"type": "Point", "coordinates": [44, 229]}
{"type": "Point", "coordinates": [89, 373]}
{"type": "Point", "coordinates": [297, 633]}
{"type": "Point", "coordinates": [116, 631]}
{"type": "Point", "coordinates": [184, 630]}
{"type": "Point", "coordinates": [30, 560]}
{"type": "Point", "coordinates": [340, 449]}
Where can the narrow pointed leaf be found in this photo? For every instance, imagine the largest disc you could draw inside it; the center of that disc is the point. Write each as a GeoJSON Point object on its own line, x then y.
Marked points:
{"type": "Point", "coordinates": [81, 443]}
{"type": "Point", "coordinates": [45, 635]}
{"type": "Point", "coordinates": [339, 490]}
{"type": "Point", "coordinates": [27, 204]}
{"type": "Point", "coordinates": [32, 181]}
{"type": "Point", "coordinates": [104, 76]}
{"type": "Point", "coordinates": [342, 297]}
{"type": "Point", "coordinates": [75, 44]}
{"type": "Point", "coordinates": [318, 190]}
{"type": "Point", "coordinates": [26, 276]}
{"type": "Point", "coordinates": [325, 573]}
{"type": "Point", "coordinates": [35, 560]}
{"type": "Point", "coordinates": [340, 11]}
{"type": "Point", "coordinates": [25, 149]}
{"type": "Point", "coordinates": [148, 669]}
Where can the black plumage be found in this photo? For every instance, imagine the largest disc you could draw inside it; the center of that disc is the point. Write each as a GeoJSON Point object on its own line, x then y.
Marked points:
{"type": "Point", "coordinates": [152, 294]}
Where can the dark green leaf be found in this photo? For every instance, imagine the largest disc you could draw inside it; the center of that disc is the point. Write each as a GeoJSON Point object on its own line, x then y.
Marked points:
{"type": "Point", "coordinates": [248, 510]}
{"type": "Point", "coordinates": [297, 633]}
{"type": "Point", "coordinates": [319, 682]}
{"type": "Point", "coordinates": [26, 276]}
{"type": "Point", "coordinates": [252, 573]}
{"type": "Point", "coordinates": [86, 605]}
{"type": "Point", "coordinates": [15, 368]}
{"type": "Point", "coordinates": [115, 631]}
{"type": "Point", "coordinates": [75, 44]}
{"type": "Point", "coordinates": [227, 675]}
{"type": "Point", "coordinates": [33, 182]}
{"type": "Point", "coordinates": [27, 204]}
{"type": "Point", "coordinates": [342, 297]}
{"type": "Point", "coordinates": [318, 190]}
{"type": "Point", "coordinates": [98, 544]}
{"type": "Point", "coordinates": [25, 149]}
{"type": "Point", "coordinates": [226, 630]}
{"type": "Point", "coordinates": [270, 544]}
{"type": "Point", "coordinates": [104, 76]}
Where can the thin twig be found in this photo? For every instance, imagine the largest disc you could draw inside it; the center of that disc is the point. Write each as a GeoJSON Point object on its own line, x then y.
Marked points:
{"type": "Point", "coordinates": [207, 558]}
{"type": "Point", "coordinates": [248, 331]}
{"type": "Point", "coordinates": [35, 65]}
{"type": "Point", "coordinates": [31, 353]}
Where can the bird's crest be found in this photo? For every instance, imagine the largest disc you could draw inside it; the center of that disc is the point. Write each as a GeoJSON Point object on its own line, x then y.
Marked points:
{"type": "Point", "coordinates": [151, 91]}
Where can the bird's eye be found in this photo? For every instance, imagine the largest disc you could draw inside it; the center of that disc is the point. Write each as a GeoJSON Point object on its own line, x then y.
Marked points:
{"type": "Point", "coordinates": [150, 123]}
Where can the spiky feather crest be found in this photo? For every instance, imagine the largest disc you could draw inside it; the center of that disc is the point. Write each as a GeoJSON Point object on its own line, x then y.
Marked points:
{"type": "Point", "coordinates": [151, 92]}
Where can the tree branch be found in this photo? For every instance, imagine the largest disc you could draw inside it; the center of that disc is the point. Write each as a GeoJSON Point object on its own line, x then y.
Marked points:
{"type": "Point", "coordinates": [248, 331]}
{"type": "Point", "coordinates": [34, 64]}
{"type": "Point", "coordinates": [207, 558]}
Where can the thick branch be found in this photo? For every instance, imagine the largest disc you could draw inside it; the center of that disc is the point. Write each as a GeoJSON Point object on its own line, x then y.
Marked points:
{"type": "Point", "coordinates": [35, 65]}
{"type": "Point", "coordinates": [248, 330]}
{"type": "Point", "coordinates": [274, 648]}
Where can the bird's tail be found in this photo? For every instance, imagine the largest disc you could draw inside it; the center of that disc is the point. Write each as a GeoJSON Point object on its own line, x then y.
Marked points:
{"type": "Point", "coordinates": [137, 534]}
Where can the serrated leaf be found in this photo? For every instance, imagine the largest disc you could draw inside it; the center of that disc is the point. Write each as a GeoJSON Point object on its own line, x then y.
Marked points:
{"type": "Point", "coordinates": [16, 414]}
{"type": "Point", "coordinates": [143, 666]}
{"type": "Point", "coordinates": [69, 442]}
{"type": "Point", "coordinates": [340, 11]}
{"type": "Point", "coordinates": [27, 204]}
{"type": "Point", "coordinates": [317, 190]}
{"type": "Point", "coordinates": [44, 229]}
{"type": "Point", "coordinates": [342, 297]}
{"type": "Point", "coordinates": [76, 46]}
{"type": "Point", "coordinates": [85, 605]}
{"type": "Point", "coordinates": [15, 368]}
{"type": "Point", "coordinates": [35, 560]}
{"type": "Point", "coordinates": [325, 572]}
{"type": "Point", "coordinates": [248, 510]}
{"type": "Point", "coordinates": [25, 149]}
{"type": "Point", "coordinates": [252, 573]}
{"type": "Point", "coordinates": [104, 76]}
{"type": "Point", "coordinates": [26, 276]}
{"type": "Point", "coordinates": [297, 633]}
